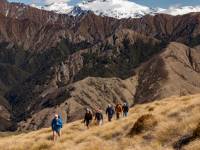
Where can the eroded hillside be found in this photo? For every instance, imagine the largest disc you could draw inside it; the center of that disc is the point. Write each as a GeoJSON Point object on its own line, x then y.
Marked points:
{"type": "Point", "coordinates": [46, 59]}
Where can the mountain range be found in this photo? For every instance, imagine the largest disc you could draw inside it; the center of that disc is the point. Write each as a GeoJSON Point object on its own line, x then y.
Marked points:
{"type": "Point", "coordinates": [51, 62]}
{"type": "Point", "coordinates": [115, 8]}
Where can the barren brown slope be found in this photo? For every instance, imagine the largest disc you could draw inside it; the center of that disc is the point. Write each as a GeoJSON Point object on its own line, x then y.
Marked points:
{"type": "Point", "coordinates": [43, 30]}
{"type": "Point", "coordinates": [71, 101]}
{"type": "Point", "coordinates": [175, 71]}
{"type": "Point", "coordinates": [181, 28]}
{"type": "Point", "coordinates": [5, 117]}
{"type": "Point", "coordinates": [58, 73]}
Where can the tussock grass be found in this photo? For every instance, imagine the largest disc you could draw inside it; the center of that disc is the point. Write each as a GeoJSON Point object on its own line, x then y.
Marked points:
{"type": "Point", "coordinates": [175, 117]}
{"type": "Point", "coordinates": [193, 145]}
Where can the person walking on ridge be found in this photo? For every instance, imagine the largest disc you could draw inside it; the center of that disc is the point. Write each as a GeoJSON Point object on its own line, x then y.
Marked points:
{"type": "Point", "coordinates": [99, 117]}
{"type": "Point", "coordinates": [88, 117]}
{"type": "Point", "coordinates": [110, 112]}
{"type": "Point", "coordinates": [125, 108]}
{"type": "Point", "coordinates": [118, 110]}
{"type": "Point", "coordinates": [56, 126]}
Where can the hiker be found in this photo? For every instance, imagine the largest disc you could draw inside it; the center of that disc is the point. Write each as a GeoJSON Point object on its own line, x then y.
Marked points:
{"type": "Point", "coordinates": [88, 117]}
{"type": "Point", "coordinates": [99, 117]}
{"type": "Point", "coordinates": [118, 110]}
{"type": "Point", "coordinates": [125, 109]}
{"type": "Point", "coordinates": [56, 126]}
{"type": "Point", "coordinates": [110, 112]}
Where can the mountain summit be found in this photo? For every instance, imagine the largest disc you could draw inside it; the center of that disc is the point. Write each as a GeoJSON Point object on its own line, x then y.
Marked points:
{"type": "Point", "coordinates": [116, 8]}
{"type": "Point", "coordinates": [59, 7]}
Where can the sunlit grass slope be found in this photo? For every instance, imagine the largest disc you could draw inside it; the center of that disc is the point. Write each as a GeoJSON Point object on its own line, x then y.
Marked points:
{"type": "Point", "coordinates": [173, 118]}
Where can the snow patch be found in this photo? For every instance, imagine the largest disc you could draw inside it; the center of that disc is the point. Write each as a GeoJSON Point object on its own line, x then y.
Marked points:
{"type": "Point", "coordinates": [180, 10]}
{"type": "Point", "coordinates": [7, 12]}
{"type": "Point", "coordinates": [58, 7]}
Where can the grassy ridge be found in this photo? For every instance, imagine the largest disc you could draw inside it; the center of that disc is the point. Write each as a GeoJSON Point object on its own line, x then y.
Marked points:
{"type": "Point", "coordinates": [175, 117]}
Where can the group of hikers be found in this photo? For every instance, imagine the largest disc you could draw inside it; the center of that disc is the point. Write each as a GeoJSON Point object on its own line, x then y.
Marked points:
{"type": "Point", "coordinates": [119, 110]}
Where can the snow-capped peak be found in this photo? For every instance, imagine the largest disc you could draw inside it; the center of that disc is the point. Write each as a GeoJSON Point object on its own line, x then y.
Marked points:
{"type": "Point", "coordinates": [58, 7]}
{"type": "Point", "coordinates": [115, 8]}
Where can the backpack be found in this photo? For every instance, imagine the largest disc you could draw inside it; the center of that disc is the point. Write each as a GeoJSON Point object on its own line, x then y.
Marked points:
{"type": "Point", "coordinates": [118, 108]}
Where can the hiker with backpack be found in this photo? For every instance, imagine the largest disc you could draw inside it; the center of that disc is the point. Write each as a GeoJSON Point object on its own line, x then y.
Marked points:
{"type": "Point", "coordinates": [118, 110]}
{"type": "Point", "coordinates": [110, 112]}
{"type": "Point", "coordinates": [56, 126]}
{"type": "Point", "coordinates": [99, 117]}
{"type": "Point", "coordinates": [125, 109]}
{"type": "Point", "coordinates": [88, 117]}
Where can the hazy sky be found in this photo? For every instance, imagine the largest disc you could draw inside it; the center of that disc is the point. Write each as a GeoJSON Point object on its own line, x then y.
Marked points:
{"type": "Point", "coordinates": [151, 3]}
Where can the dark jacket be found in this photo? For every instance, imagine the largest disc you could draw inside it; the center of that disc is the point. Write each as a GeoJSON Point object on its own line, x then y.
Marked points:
{"type": "Point", "coordinates": [56, 124]}
{"type": "Point", "coordinates": [88, 117]}
{"type": "Point", "coordinates": [125, 108]}
{"type": "Point", "coordinates": [110, 111]}
{"type": "Point", "coordinates": [98, 116]}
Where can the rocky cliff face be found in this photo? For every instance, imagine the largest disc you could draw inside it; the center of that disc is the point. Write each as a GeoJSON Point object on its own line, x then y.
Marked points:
{"type": "Point", "coordinates": [46, 59]}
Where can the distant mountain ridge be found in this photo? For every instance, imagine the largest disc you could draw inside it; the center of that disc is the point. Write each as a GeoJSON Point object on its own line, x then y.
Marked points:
{"type": "Point", "coordinates": [115, 8]}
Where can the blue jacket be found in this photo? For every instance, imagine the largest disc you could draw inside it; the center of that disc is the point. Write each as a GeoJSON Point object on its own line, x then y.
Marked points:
{"type": "Point", "coordinates": [110, 111]}
{"type": "Point", "coordinates": [56, 125]}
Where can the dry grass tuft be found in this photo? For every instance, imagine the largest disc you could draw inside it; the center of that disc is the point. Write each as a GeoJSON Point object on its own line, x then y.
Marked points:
{"type": "Point", "coordinates": [144, 123]}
